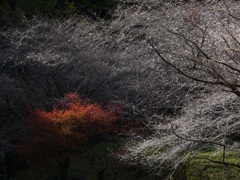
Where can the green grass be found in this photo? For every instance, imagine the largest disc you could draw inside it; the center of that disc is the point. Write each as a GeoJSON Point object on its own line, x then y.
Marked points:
{"type": "Point", "coordinates": [198, 168]}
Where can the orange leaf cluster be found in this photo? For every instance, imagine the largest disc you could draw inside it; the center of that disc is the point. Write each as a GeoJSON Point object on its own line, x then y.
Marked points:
{"type": "Point", "coordinates": [68, 126]}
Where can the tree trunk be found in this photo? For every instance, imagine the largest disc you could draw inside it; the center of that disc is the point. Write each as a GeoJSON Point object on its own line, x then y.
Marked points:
{"type": "Point", "coordinates": [100, 174]}
{"type": "Point", "coordinates": [3, 163]}
{"type": "Point", "coordinates": [63, 166]}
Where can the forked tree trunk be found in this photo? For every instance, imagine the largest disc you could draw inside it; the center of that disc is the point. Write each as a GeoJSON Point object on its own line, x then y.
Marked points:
{"type": "Point", "coordinates": [101, 174]}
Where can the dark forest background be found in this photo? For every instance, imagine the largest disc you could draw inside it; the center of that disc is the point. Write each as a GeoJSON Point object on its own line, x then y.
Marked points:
{"type": "Point", "coordinates": [12, 11]}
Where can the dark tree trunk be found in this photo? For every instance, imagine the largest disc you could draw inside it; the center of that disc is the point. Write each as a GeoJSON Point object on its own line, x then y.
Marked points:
{"type": "Point", "coordinates": [63, 166]}
{"type": "Point", "coordinates": [101, 174]}
{"type": "Point", "coordinates": [13, 4]}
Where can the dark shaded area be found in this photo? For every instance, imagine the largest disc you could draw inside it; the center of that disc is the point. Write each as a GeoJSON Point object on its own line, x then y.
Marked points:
{"type": "Point", "coordinates": [13, 12]}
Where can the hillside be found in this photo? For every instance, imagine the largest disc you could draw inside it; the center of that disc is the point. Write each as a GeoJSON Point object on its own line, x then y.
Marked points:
{"type": "Point", "coordinates": [166, 73]}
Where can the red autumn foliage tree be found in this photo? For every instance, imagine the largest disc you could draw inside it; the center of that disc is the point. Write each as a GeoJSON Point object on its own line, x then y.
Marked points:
{"type": "Point", "coordinates": [66, 130]}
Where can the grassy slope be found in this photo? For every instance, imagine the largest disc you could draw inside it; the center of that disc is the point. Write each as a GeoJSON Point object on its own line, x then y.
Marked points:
{"type": "Point", "coordinates": [200, 169]}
